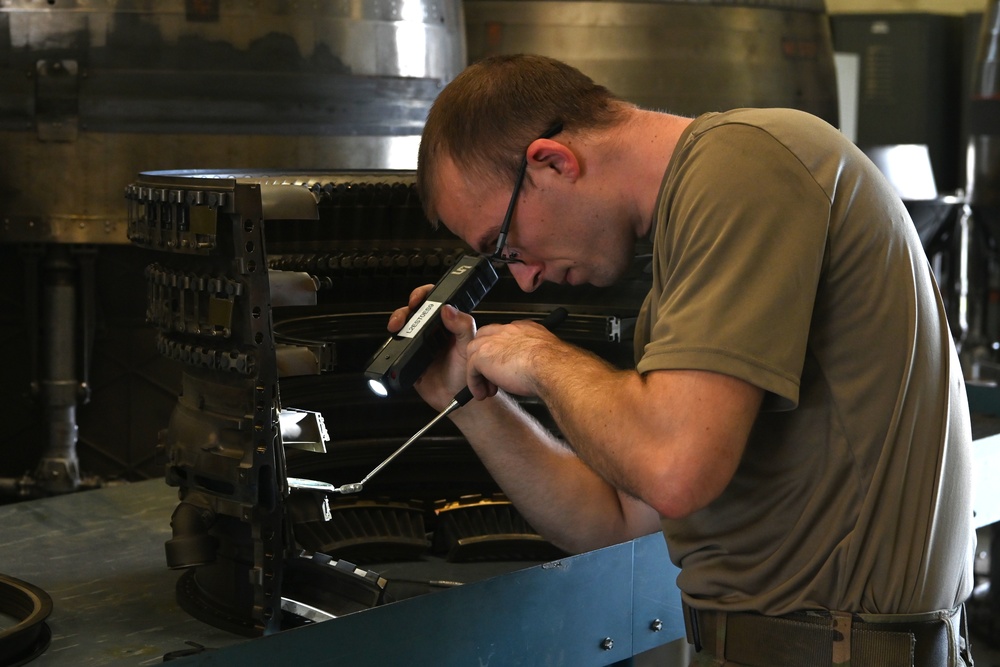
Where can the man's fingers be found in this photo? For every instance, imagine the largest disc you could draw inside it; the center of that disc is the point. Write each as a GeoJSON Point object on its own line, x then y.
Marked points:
{"type": "Point", "coordinates": [399, 316]}
{"type": "Point", "coordinates": [397, 319]}
{"type": "Point", "coordinates": [462, 325]}
{"type": "Point", "coordinates": [418, 295]}
{"type": "Point", "coordinates": [480, 385]}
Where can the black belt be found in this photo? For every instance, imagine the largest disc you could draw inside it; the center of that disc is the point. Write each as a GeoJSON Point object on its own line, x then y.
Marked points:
{"type": "Point", "coordinates": [812, 640]}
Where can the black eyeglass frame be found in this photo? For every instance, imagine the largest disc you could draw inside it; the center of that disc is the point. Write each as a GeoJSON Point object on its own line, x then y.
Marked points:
{"type": "Point", "coordinates": [497, 256]}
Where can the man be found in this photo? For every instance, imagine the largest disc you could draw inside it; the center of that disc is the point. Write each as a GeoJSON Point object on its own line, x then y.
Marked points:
{"type": "Point", "coordinates": [796, 424]}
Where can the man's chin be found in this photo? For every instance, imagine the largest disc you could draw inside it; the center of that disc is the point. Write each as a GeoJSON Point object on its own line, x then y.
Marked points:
{"type": "Point", "coordinates": [603, 279]}
{"type": "Point", "coordinates": [574, 277]}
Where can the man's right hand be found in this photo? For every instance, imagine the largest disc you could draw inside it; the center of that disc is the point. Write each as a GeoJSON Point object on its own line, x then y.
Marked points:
{"type": "Point", "coordinates": [446, 376]}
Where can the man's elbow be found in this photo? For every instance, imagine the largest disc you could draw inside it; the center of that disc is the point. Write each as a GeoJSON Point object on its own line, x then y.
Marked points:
{"type": "Point", "coordinates": [674, 508]}
{"type": "Point", "coordinates": [678, 498]}
{"type": "Point", "coordinates": [682, 485]}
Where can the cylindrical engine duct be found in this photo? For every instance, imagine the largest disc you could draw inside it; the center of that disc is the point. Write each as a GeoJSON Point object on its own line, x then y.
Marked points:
{"type": "Point", "coordinates": [983, 190]}
{"type": "Point", "coordinates": [682, 56]}
{"type": "Point", "coordinates": [92, 93]}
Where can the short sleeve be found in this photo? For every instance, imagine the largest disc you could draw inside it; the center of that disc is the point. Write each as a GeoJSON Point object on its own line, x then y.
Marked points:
{"type": "Point", "coordinates": [738, 254]}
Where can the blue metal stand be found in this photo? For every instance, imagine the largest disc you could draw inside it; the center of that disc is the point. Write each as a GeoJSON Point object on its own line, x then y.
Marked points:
{"type": "Point", "coordinates": [598, 608]}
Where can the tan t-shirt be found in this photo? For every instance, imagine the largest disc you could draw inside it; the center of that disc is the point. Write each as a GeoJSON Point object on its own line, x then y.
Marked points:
{"type": "Point", "coordinates": [782, 257]}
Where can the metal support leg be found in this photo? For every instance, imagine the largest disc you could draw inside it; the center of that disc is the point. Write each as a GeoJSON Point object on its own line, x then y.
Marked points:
{"type": "Point", "coordinates": [59, 469]}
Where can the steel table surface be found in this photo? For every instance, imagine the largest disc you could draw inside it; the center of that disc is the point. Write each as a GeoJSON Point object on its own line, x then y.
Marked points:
{"type": "Point", "coordinates": [99, 555]}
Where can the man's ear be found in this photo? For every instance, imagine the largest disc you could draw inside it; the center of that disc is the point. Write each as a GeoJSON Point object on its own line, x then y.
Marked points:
{"type": "Point", "coordinates": [549, 154]}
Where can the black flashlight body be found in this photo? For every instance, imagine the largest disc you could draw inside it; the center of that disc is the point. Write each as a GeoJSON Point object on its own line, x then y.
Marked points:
{"type": "Point", "coordinates": [407, 354]}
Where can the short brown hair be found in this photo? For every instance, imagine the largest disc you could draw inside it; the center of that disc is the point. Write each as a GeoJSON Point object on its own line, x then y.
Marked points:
{"type": "Point", "coordinates": [489, 114]}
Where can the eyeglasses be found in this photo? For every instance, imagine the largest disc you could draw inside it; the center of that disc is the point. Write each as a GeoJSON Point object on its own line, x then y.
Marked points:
{"type": "Point", "coordinates": [498, 255]}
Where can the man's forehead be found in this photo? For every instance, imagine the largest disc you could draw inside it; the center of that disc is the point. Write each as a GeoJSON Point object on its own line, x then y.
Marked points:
{"type": "Point", "coordinates": [463, 205]}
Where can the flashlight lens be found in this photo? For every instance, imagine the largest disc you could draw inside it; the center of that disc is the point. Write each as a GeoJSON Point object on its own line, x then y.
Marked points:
{"type": "Point", "coordinates": [378, 388]}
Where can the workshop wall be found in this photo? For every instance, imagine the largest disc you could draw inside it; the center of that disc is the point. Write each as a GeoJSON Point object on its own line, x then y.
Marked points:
{"type": "Point", "coordinates": [932, 6]}
{"type": "Point", "coordinates": [129, 380]}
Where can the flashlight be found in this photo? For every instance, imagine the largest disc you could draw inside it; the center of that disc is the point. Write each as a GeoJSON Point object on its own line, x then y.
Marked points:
{"type": "Point", "coordinates": [407, 354]}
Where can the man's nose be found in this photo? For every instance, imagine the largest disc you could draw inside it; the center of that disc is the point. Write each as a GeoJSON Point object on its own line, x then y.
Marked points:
{"type": "Point", "coordinates": [528, 276]}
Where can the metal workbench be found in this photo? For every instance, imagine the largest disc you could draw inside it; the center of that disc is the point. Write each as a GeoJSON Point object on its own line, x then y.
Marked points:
{"type": "Point", "coordinates": [99, 555]}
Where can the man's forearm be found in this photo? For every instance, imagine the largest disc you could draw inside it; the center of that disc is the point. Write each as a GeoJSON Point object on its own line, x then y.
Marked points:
{"type": "Point", "coordinates": [560, 496]}
{"type": "Point", "coordinates": [672, 438]}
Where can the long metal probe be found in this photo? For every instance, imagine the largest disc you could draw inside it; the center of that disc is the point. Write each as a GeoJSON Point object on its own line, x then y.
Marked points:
{"type": "Point", "coordinates": [461, 398]}
{"type": "Point", "coordinates": [550, 321]}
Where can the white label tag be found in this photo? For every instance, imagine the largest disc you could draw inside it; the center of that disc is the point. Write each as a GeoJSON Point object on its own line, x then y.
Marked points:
{"type": "Point", "coordinates": [419, 319]}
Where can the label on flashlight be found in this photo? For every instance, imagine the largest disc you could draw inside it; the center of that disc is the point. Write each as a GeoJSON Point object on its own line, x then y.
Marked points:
{"type": "Point", "coordinates": [419, 319]}
{"type": "Point", "coordinates": [398, 363]}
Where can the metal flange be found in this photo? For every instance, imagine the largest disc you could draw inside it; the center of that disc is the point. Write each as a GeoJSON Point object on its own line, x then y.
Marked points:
{"type": "Point", "coordinates": [30, 605]}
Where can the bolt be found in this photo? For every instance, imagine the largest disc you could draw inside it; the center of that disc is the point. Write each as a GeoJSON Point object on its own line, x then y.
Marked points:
{"type": "Point", "coordinates": [656, 625]}
{"type": "Point", "coordinates": [607, 643]}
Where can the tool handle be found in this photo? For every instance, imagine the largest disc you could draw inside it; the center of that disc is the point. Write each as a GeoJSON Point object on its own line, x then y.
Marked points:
{"type": "Point", "coordinates": [550, 322]}
{"type": "Point", "coordinates": [462, 397]}
{"type": "Point", "coordinates": [555, 318]}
